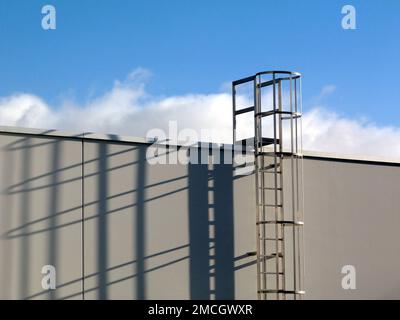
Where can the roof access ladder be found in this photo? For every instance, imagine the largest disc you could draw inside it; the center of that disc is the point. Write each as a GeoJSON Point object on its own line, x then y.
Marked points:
{"type": "Point", "coordinates": [273, 101]}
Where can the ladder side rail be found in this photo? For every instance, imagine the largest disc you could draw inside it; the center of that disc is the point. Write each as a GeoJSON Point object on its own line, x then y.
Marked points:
{"type": "Point", "coordinates": [256, 164]}
{"type": "Point", "coordinates": [282, 217]}
{"type": "Point", "coordinates": [275, 184]}
{"type": "Point", "coordinates": [261, 160]}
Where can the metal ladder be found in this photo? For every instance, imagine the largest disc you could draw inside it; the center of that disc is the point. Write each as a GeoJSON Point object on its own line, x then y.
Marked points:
{"type": "Point", "coordinates": [278, 161]}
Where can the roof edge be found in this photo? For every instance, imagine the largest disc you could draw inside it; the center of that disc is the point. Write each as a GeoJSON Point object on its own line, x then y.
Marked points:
{"type": "Point", "coordinates": [130, 139]}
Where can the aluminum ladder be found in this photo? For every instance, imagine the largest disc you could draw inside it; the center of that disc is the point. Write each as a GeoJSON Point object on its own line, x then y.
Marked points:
{"type": "Point", "coordinates": [276, 106]}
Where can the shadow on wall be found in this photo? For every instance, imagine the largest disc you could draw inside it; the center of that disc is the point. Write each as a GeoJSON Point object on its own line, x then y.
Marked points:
{"type": "Point", "coordinates": [210, 214]}
{"type": "Point", "coordinates": [211, 231]}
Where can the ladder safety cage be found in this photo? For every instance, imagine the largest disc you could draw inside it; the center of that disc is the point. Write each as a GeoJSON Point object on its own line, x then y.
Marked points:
{"type": "Point", "coordinates": [276, 97]}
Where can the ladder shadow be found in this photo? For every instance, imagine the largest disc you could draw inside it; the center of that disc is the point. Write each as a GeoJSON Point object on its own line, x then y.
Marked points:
{"type": "Point", "coordinates": [211, 231]}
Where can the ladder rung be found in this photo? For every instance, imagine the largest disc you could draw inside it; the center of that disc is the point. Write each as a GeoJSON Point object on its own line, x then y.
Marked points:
{"type": "Point", "coordinates": [293, 115]}
{"type": "Point", "coordinates": [271, 166]}
{"type": "Point", "coordinates": [283, 291]}
{"type": "Point", "coordinates": [268, 171]}
{"type": "Point", "coordinates": [279, 153]}
{"type": "Point", "coordinates": [269, 256]}
{"type": "Point", "coordinates": [245, 110]}
{"type": "Point", "coordinates": [268, 188]}
{"type": "Point", "coordinates": [271, 205]}
{"type": "Point", "coordinates": [272, 273]}
{"type": "Point", "coordinates": [284, 222]}
{"type": "Point", "coordinates": [270, 239]}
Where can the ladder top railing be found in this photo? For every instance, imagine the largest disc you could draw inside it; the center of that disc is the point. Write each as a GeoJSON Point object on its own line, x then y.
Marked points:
{"type": "Point", "coordinates": [294, 75]}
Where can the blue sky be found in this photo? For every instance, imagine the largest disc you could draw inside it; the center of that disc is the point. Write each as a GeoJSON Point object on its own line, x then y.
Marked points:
{"type": "Point", "coordinates": [196, 46]}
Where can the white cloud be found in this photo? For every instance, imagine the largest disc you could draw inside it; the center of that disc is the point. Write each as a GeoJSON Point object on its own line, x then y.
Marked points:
{"type": "Point", "coordinates": [326, 131]}
{"type": "Point", "coordinates": [127, 109]}
{"type": "Point", "coordinates": [23, 110]}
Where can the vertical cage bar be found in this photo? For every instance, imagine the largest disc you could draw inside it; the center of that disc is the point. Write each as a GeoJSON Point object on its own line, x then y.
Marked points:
{"type": "Point", "coordinates": [301, 195]}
